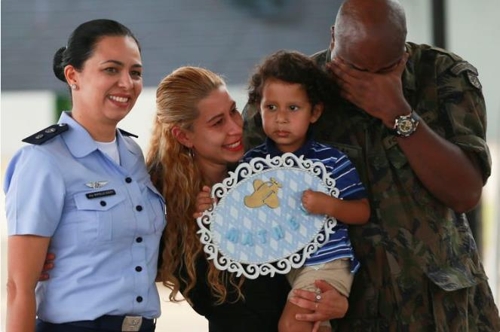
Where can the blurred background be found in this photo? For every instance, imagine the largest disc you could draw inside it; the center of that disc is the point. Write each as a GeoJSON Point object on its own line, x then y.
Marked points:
{"type": "Point", "coordinates": [229, 37]}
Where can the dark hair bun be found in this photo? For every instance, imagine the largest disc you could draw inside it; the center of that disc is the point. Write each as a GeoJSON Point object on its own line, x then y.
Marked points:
{"type": "Point", "coordinates": [57, 65]}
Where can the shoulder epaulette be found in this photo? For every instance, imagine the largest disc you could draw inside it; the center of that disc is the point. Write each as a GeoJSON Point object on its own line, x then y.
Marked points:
{"type": "Point", "coordinates": [449, 54]}
{"type": "Point", "coordinates": [46, 134]}
{"type": "Point", "coordinates": [126, 133]}
{"type": "Point", "coordinates": [462, 66]}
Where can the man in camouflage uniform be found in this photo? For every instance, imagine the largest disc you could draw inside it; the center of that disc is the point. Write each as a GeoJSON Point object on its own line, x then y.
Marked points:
{"type": "Point", "coordinates": [420, 269]}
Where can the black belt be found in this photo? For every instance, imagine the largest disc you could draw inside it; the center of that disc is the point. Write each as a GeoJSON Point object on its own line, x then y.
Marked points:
{"type": "Point", "coordinates": [117, 323]}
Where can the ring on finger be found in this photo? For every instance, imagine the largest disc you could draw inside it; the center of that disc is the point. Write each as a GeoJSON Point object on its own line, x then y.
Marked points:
{"type": "Point", "coordinates": [317, 298]}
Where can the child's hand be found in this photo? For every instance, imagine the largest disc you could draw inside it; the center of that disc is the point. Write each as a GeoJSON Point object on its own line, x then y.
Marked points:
{"type": "Point", "coordinates": [314, 201]}
{"type": "Point", "coordinates": [203, 201]}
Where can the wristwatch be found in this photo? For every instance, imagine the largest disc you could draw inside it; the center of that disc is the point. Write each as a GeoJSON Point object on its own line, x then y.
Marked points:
{"type": "Point", "coordinates": [405, 125]}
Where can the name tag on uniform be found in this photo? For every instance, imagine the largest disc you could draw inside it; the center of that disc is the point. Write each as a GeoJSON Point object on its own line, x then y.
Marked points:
{"type": "Point", "coordinates": [99, 194]}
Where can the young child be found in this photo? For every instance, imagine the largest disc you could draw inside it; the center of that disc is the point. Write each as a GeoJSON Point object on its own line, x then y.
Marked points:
{"type": "Point", "coordinates": [291, 91]}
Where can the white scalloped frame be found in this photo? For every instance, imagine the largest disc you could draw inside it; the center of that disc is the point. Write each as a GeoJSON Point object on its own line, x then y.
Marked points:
{"type": "Point", "coordinates": [244, 171]}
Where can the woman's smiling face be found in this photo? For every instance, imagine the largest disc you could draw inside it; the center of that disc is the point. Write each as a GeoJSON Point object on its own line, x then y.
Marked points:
{"type": "Point", "coordinates": [109, 83]}
{"type": "Point", "coordinates": [216, 134]}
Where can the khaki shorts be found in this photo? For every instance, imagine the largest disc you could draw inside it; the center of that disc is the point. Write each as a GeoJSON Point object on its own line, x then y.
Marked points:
{"type": "Point", "coordinates": [337, 273]}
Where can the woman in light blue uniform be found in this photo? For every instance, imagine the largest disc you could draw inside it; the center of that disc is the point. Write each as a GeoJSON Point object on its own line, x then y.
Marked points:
{"type": "Point", "coordinates": [81, 191]}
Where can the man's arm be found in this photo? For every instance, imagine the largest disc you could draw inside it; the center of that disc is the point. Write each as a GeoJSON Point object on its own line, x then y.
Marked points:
{"type": "Point", "coordinates": [444, 168]}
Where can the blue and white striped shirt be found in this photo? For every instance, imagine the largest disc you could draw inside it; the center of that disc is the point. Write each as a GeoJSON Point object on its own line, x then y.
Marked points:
{"type": "Point", "coordinates": [347, 181]}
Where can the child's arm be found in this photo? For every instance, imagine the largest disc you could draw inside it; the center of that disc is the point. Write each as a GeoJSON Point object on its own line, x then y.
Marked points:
{"type": "Point", "coordinates": [351, 212]}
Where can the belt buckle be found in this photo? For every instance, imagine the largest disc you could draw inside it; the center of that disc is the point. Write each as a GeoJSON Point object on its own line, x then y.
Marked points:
{"type": "Point", "coordinates": [132, 323]}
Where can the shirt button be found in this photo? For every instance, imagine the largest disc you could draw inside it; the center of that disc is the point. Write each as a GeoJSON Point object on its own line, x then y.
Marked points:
{"type": "Point", "coordinates": [138, 240]}
{"type": "Point", "coordinates": [138, 208]}
{"type": "Point", "coordinates": [103, 203]}
{"type": "Point", "coordinates": [138, 268]}
{"type": "Point", "coordinates": [139, 299]}
{"type": "Point", "coordinates": [128, 180]}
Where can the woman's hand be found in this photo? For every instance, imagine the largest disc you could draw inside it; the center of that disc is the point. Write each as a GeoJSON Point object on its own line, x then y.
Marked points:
{"type": "Point", "coordinates": [47, 266]}
{"type": "Point", "coordinates": [332, 304]}
{"type": "Point", "coordinates": [203, 201]}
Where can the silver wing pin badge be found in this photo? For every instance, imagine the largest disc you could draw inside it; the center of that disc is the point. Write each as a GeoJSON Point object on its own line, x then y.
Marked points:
{"type": "Point", "coordinates": [96, 184]}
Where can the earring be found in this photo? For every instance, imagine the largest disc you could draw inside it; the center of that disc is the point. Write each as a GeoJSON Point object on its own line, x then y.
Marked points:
{"type": "Point", "coordinates": [73, 86]}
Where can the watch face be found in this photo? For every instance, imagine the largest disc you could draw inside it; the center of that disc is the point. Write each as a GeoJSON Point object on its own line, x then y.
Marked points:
{"type": "Point", "coordinates": [405, 126]}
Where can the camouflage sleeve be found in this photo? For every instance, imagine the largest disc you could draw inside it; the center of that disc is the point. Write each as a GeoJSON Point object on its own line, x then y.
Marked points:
{"type": "Point", "coordinates": [253, 134]}
{"type": "Point", "coordinates": [462, 103]}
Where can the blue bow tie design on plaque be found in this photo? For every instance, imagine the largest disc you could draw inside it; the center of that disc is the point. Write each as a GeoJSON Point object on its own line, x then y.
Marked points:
{"type": "Point", "coordinates": [258, 227]}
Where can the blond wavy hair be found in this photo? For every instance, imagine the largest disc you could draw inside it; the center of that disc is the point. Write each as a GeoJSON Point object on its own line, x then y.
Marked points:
{"type": "Point", "coordinates": [176, 175]}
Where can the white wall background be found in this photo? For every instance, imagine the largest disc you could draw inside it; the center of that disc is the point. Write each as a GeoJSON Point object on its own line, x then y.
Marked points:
{"type": "Point", "coordinates": [473, 32]}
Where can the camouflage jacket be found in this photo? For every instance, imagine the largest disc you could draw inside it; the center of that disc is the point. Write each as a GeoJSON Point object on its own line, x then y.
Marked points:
{"type": "Point", "coordinates": [418, 232]}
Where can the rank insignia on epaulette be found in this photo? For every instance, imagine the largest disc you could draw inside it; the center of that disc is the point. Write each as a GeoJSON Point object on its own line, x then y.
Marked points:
{"type": "Point", "coordinates": [46, 134]}
{"type": "Point", "coordinates": [472, 73]}
{"type": "Point", "coordinates": [462, 66]}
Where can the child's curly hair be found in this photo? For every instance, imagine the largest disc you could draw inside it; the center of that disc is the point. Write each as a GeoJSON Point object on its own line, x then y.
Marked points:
{"type": "Point", "coordinates": [293, 67]}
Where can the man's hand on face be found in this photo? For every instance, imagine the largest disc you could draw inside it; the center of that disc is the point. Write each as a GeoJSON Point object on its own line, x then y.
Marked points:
{"type": "Point", "coordinates": [379, 94]}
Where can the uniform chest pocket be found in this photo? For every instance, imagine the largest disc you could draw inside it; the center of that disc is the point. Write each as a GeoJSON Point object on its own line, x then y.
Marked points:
{"type": "Point", "coordinates": [100, 213]}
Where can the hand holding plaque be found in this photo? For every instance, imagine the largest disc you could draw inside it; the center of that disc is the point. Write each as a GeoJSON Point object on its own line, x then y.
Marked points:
{"type": "Point", "coordinates": [258, 225]}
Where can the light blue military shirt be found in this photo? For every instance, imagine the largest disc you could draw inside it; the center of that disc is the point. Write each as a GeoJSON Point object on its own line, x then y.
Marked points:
{"type": "Point", "coordinates": [105, 221]}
